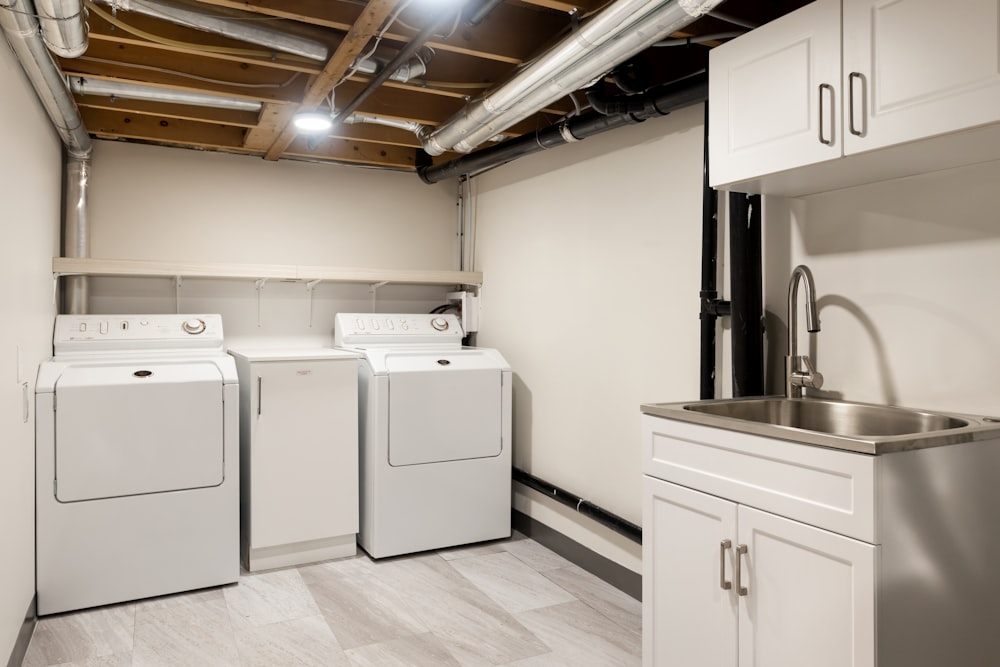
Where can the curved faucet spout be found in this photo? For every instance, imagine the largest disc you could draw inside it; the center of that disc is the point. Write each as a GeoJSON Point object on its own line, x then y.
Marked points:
{"type": "Point", "coordinates": [799, 371]}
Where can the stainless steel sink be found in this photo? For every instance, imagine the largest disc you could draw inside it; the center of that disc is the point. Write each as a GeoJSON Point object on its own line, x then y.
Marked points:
{"type": "Point", "coordinates": [860, 427]}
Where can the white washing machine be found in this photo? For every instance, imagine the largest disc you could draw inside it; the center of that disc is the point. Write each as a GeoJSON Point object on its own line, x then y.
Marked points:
{"type": "Point", "coordinates": [137, 465]}
{"type": "Point", "coordinates": [435, 433]}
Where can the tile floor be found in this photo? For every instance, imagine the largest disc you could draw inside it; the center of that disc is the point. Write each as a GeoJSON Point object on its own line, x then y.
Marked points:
{"type": "Point", "coordinates": [511, 602]}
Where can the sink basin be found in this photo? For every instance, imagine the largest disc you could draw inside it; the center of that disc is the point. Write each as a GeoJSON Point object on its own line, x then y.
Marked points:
{"type": "Point", "coordinates": [858, 427]}
{"type": "Point", "coordinates": [834, 417]}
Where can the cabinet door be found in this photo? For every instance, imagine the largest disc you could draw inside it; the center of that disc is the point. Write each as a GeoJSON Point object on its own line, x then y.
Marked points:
{"type": "Point", "coordinates": [304, 451]}
{"type": "Point", "coordinates": [774, 96]}
{"type": "Point", "coordinates": [810, 595]}
{"type": "Point", "coordinates": [688, 617]}
{"type": "Point", "coordinates": [918, 68]}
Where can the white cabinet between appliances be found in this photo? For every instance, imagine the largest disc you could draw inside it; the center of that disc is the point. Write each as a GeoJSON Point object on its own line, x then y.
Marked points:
{"type": "Point", "coordinates": [846, 559]}
{"type": "Point", "coordinates": [731, 585]}
{"type": "Point", "coordinates": [299, 455]}
{"type": "Point", "coordinates": [780, 99]}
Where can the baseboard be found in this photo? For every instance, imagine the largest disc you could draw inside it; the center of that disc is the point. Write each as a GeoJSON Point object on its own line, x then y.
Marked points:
{"type": "Point", "coordinates": [24, 636]}
{"type": "Point", "coordinates": [604, 568]}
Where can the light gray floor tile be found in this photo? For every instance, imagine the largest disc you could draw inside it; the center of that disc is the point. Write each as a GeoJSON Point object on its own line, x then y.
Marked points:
{"type": "Point", "coordinates": [534, 555]}
{"type": "Point", "coordinates": [180, 599]}
{"type": "Point", "coordinates": [303, 642]}
{"type": "Point", "coordinates": [475, 629]}
{"type": "Point", "coordinates": [269, 597]}
{"type": "Point", "coordinates": [195, 634]}
{"type": "Point", "coordinates": [511, 583]}
{"type": "Point", "coordinates": [581, 637]}
{"type": "Point", "coordinates": [620, 607]}
{"type": "Point", "coordinates": [475, 550]}
{"type": "Point", "coordinates": [113, 660]}
{"type": "Point", "coordinates": [81, 635]}
{"type": "Point", "coordinates": [416, 651]}
{"type": "Point", "coordinates": [360, 607]}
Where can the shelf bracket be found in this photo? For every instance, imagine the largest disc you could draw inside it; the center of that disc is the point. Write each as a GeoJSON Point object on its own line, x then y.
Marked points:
{"type": "Point", "coordinates": [373, 288]}
{"type": "Point", "coordinates": [310, 286]}
{"type": "Point", "coordinates": [178, 281]}
{"type": "Point", "coordinates": [259, 285]}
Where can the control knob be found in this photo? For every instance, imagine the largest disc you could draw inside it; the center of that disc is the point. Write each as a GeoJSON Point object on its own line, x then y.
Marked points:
{"type": "Point", "coordinates": [193, 326]}
{"type": "Point", "coordinates": [439, 323]}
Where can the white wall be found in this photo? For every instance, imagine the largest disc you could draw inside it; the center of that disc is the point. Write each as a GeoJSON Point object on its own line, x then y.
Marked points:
{"type": "Point", "coordinates": [30, 176]}
{"type": "Point", "coordinates": [155, 203]}
{"type": "Point", "coordinates": [591, 261]}
{"type": "Point", "coordinates": [906, 272]}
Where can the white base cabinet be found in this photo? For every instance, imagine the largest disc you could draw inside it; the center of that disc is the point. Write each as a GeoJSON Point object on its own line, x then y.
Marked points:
{"type": "Point", "coordinates": [845, 92]}
{"type": "Point", "coordinates": [766, 553]}
{"type": "Point", "coordinates": [298, 456]}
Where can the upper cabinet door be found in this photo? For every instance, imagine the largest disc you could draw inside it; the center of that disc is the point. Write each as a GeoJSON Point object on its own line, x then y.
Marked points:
{"type": "Point", "coordinates": [775, 96]}
{"type": "Point", "coordinates": [918, 68]}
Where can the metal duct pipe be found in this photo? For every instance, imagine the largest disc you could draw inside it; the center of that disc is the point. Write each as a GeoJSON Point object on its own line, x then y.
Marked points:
{"type": "Point", "coordinates": [137, 91]}
{"type": "Point", "coordinates": [246, 32]}
{"type": "Point", "coordinates": [619, 32]}
{"type": "Point", "coordinates": [22, 31]}
{"type": "Point", "coordinates": [657, 102]}
{"type": "Point", "coordinates": [269, 38]}
{"type": "Point", "coordinates": [358, 118]}
{"type": "Point", "coordinates": [64, 26]}
{"type": "Point", "coordinates": [76, 232]}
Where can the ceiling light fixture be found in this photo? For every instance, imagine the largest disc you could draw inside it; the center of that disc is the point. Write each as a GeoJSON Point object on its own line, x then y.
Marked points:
{"type": "Point", "coordinates": [313, 121]}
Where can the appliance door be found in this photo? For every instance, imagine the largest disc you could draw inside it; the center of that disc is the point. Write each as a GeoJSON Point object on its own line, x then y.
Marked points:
{"type": "Point", "coordinates": [133, 428]}
{"type": "Point", "coordinates": [443, 406]}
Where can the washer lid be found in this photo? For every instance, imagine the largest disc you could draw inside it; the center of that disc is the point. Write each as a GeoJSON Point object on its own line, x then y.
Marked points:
{"type": "Point", "coordinates": [137, 428]}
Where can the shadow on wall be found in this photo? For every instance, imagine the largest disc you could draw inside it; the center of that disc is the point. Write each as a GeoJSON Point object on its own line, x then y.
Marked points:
{"type": "Point", "coordinates": [890, 394]}
{"type": "Point", "coordinates": [521, 424]}
{"type": "Point", "coordinates": [933, 209]}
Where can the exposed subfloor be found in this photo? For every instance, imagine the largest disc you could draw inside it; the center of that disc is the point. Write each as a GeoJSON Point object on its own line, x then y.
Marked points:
{"type": "Point", "coordinates": [511, 602]}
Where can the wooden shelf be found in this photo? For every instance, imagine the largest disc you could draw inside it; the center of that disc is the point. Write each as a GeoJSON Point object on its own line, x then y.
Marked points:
{"type": "Point", "coordinates": [79, 266]}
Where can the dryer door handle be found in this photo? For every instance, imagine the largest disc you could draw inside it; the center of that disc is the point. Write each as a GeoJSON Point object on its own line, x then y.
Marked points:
{"type": "Point", "coordinates": [260, 384]}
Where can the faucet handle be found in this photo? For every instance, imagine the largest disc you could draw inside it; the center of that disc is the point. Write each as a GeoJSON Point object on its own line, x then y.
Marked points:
{"type": "Point", "coordinates": [811, 377]}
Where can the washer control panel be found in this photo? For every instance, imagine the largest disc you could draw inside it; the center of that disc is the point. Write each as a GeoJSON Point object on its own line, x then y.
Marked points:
{"type": "Point", "coordinates": [358, 329]}
{"type": "Point", "coordinates": [110, 332]}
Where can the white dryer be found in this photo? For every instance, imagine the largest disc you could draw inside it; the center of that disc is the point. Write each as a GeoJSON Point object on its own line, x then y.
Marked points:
{"type": "Point", "coordinates": [137, 466]}
{"type": "Point", "coordinates": [435, 433]}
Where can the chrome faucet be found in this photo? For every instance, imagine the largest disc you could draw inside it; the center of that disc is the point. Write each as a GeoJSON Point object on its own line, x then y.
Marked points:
{"type": "Point", "coordinates": [799, 371]}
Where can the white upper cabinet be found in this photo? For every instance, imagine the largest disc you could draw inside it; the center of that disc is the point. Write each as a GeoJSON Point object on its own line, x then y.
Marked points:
{"type": "Point", "coordinates": [918, 68]}
{"type": "Point", "coordinates": [845, 92]}
{"type": "Point", "coordinates": [773, 96]}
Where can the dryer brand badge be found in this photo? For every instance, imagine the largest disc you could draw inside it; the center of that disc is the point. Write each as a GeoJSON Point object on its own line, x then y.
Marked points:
{"type": "Point", "coordinates": [305, 372]}
{"type": "Point", "coordinates": [142, 374]}
{"type": "Point", "coordinates": [443, 362]}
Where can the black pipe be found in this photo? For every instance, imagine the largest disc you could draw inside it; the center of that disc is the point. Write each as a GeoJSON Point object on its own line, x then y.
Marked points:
{"type": "Point", "coordinates": [658, 101]}
{"type": "Point", "coordinates": [747, 294]}
{"type": "Point", "coordinates": [398, 61]}
{"type": "Point", "coordinates": [599, 514]}
{"type": "Point", "coordinates": [711, 307]}
{"type": "Point", "coordinates": [474, 15]}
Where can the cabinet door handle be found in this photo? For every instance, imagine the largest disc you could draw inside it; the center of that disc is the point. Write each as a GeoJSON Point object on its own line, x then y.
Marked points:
{"type": "Point", "coordinates": [724, 546]}
{"type": "Point", "coordinates": [740, 551]}
{"type": "Point", "coordinates": [822, 120]}
{"type": "Point", "coordinates": [260, 395]}
{"type": "Point", "coordinates": [851, 78]}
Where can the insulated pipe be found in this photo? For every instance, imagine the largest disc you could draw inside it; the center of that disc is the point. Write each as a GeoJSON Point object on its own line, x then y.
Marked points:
{"type": "Point", "coordinates": [358, 118]}
{"type": "Point", "coordinates": [21, 28]}
{"type": "Point", "coordinates": [617, 33]}
{"type": "Point", "coordinates": [137, 91]}
{"type": "Point", "coordinates": [269, 38]}
{"type": "Point", "coordinates": [658, 102]}
{"type": "Point", "coordinates": [747, 300]}
{"type": "Point", "coordinates": [64, 26]}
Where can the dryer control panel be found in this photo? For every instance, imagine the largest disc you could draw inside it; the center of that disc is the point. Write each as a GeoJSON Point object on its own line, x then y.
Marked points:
{"type": "Point", "coordinates": [130, 332]}
{"type": "Point", "coordinates": [359, 329]}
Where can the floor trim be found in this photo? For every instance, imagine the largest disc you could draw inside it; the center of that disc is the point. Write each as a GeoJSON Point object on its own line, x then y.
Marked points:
{"type": "Point", "coordinates": [24, 636]}
{"type": "Point", "coordinates": [604, 568]}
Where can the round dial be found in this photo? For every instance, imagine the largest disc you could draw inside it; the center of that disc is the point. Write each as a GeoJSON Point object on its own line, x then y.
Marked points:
{"type": "Point", "coordinates": [439, 323]}
{"type": "Point", "coordinates": [193, 326]}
